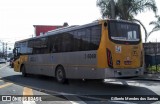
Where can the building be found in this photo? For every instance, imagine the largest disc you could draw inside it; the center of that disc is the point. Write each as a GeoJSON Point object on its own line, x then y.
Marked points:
{"type": "Point", "coordinates": [42, 29]}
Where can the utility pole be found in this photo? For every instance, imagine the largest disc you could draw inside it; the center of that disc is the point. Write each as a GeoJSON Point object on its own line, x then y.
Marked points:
{"type": "Point", "coordinates": [112, 9]}
{"type": "Point", "coordinates": [6, 51]}
{"type": "Point", "coordinates": [156, 55]}
{"type": "Point", "coordinates": [3, 49]}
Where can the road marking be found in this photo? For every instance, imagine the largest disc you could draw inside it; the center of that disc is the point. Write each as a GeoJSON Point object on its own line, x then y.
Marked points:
{"type": "Point", "coordinates": [5, 85]}
{"type": "Point", "coordinates": [3, 66]}
{"type": "Point", "coordinates": [73, 99]}
{"type": "Point", "coordinates": [76, 100]}
{"type": "Point", "coordinates": [28, 91]}
{"type": "Point", "coordinates": [122, 102]}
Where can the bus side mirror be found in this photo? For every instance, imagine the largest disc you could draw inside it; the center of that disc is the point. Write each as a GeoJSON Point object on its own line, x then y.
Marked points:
{"type": "Point", "coordinates": [105, 24]}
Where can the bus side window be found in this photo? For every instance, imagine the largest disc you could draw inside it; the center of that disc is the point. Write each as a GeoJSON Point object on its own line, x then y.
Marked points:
{"type": "Point", "coordinates": [16, 53]}
{"type": "Point", "coordinates": [53, 50]}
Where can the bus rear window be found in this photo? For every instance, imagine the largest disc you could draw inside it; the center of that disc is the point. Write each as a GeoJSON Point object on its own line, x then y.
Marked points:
{"type": "Point", "coordinates": [121, 31]}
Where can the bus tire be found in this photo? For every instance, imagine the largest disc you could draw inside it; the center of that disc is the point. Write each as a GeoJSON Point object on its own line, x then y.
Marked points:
{"type": "Point", "coordinates": [60, 75]}
{"type": "Point", "coordinates": [23, 70]}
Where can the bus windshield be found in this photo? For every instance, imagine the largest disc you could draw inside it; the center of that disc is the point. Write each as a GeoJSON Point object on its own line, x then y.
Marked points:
{"type": "Point", "coordinates": [121, 31]}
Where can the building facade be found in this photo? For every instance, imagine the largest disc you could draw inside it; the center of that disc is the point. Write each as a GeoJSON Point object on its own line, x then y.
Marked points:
{"type": "Point", "coordinates": [42, 29]}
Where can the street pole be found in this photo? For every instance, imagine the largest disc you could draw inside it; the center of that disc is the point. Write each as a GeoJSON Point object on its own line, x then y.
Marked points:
{"type": "Point", "coordinates": [3, 49]}
{"type": "Point", "coordinates": [6, 51]}
{"type": "Point", "coordinates": [112, 9]}
{"type": "Point", "coordinates": [156, 55]}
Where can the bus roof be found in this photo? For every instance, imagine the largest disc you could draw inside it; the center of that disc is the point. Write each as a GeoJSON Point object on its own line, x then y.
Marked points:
{"type": "Point", "coordinates": [61, 30]}
{"type": "Point", "coordinates": [71, 28]}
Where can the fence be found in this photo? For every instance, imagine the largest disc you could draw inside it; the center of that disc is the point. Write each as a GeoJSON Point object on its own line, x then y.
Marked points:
{"type": "Point", "coordinates": [152, 56]}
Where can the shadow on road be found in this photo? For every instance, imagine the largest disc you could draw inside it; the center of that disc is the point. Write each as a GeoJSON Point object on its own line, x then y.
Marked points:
{"type": "Point", "coordinates": [79, 88]}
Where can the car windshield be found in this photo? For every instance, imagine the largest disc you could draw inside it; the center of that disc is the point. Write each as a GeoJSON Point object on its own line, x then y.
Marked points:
{"type": "Point", "coordinates": [124, 31]}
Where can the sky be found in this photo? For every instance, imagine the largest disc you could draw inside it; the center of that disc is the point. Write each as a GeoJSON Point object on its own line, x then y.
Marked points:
{"type": "Point", "coordinates": [17, 17]}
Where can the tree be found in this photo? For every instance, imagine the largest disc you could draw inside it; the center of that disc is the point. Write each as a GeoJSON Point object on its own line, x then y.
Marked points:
{"type": "Point", "coordinates": [125, 9]}
{"type": "Point", "coordinates": [65, 24]}
{"type": "Point", "coordinates": [107, 8]}
{"type": "Point", "coordinates": [156, 26]}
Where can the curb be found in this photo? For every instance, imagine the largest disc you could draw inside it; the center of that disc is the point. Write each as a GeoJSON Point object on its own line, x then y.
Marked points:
{"type": "Point", "coordinates": [147, 79]}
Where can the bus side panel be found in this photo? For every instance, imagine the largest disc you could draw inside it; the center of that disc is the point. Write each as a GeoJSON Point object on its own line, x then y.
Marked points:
{"type": "Point", "coordinates": [40, 64]}
{"type": "Point", "coordinates": [80, 64]}
{"type": "Point", "coordinates": [32, 65]}
{"type": "Point", "coordinates": [21, 60]}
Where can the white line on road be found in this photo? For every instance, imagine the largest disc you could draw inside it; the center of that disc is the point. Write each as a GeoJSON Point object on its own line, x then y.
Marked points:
{"type": "Point", "coordinates": [29, 102]}
{"type": "Point", "coordinates": [122, 102]}
{"type": "Point", "coordinates": [3, 66]}
{"type": "Point", "coordinates": [73, 99]}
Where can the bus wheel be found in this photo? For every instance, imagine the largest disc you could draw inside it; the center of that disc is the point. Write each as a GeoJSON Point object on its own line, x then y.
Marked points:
{"type": "Point", "coordinates": [23, 70]}
{"type": "Point", "coordinates": [60, 75]}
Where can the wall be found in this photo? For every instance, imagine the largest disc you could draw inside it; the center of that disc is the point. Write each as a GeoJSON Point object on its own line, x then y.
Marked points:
{"type": "Point", "coordinates": [42, 29]}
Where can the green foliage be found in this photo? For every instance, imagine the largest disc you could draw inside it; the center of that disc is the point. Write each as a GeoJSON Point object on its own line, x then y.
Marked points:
{"type": "Point", "coordinates": [153, 68]}
{"type": "Point", "coordinates": [105, 7]}
{"type": "Point", "coordinates": [156, 24]}
{"type": "Point", "coordinates": [125, 9]}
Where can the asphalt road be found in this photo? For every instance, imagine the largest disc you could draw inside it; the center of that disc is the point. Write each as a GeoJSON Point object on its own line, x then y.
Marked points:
{"type": "Point", "coordinates": [46, 90]}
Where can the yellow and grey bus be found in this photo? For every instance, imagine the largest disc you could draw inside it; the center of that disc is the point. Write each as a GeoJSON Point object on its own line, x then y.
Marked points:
{"type": "Point", "coordinates": [98, 50]}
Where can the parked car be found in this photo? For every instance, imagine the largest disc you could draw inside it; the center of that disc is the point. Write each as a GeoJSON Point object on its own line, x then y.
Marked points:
{"type": "Point", "coordinates": [2, 60]}
{"type": "Point", "coordinates": [8, 59]}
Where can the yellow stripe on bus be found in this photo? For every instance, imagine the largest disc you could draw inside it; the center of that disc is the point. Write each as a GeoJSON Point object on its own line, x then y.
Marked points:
{"type": "Point", "coordinates": [5, 85]}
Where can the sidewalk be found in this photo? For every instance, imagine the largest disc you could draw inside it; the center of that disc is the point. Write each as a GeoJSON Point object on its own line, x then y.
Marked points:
{"type": "Point", "coordinates": [151, 77]}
